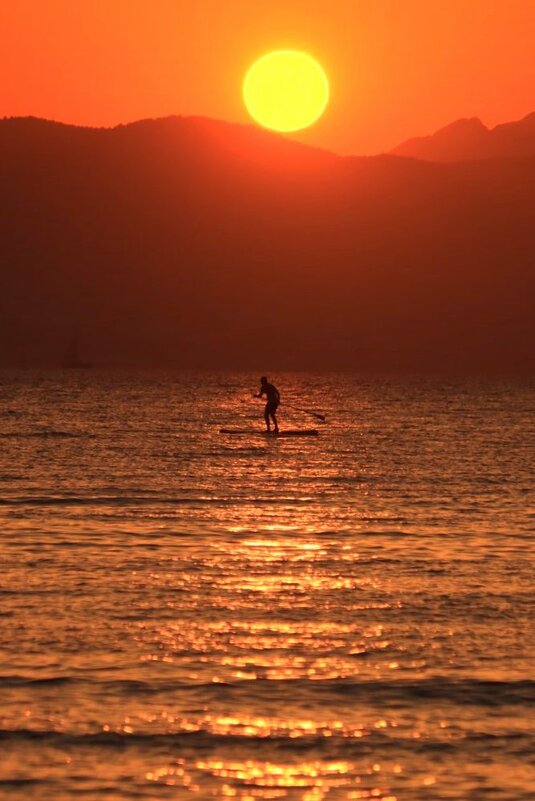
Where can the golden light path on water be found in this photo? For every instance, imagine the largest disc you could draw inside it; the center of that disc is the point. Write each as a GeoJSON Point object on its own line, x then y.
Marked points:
{"type": "Point", "coordinates": [314, 780]}
{"type": "Point", "coordinates": [208, 619]}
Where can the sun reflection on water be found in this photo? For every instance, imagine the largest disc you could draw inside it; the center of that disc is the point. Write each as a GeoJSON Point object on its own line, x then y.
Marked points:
{"type": "Point", "coordinates": [270, 650]}
{"type": "Point", "coordinates": [250, 779]}
{"type": "Point", "coordinates": [307, 621]}
{"type": "Point", "coordinates": [306, 780]}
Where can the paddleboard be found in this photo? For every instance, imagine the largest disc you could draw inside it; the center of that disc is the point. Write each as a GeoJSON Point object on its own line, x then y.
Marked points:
{"type": "Point", "coordinates": [290, 432]}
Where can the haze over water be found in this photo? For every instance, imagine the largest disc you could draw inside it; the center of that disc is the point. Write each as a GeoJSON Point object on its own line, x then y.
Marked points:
{"type": "Point", "coordinates": [188, 615]}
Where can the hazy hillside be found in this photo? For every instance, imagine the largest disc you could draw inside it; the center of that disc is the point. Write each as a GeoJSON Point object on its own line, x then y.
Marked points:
{"type": "Point", "coordinates": [470, 139]}
{"type": "Point", "coordinates": [190, 242]}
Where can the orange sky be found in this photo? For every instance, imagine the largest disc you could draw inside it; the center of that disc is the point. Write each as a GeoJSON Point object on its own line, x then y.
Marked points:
{"type": "Point", "coordinates": [398, 68]}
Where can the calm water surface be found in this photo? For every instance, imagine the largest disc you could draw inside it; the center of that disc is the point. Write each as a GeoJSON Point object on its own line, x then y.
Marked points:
{"type": "Point", "coordinates": [188, 615]}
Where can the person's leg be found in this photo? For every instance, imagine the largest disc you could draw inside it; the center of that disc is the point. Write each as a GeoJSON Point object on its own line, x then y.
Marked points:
{"type": "Point", "coordinates": [266, 416]}
{"type": "Point", "coordinates": [274, 418]}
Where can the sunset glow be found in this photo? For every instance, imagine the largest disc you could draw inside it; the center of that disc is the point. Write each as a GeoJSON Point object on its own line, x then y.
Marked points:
{"type": "Point", "coordinates": [115, 62]}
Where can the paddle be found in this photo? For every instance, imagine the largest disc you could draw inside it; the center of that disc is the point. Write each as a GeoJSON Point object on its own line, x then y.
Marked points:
{"type": "Point", "coordinates": [307, 411]}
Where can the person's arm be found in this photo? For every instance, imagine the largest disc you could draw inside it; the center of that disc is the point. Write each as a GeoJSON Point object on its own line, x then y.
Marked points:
{"type": "Point", "coordinates": [259, 395]}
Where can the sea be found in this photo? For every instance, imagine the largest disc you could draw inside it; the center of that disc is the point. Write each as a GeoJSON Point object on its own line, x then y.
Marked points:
{"type": "Point", "coordinates": [191, 615]}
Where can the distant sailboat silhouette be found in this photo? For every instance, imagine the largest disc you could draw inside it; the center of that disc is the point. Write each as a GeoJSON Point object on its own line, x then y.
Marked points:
{"type": "Point", "coordinates": [72, 358]}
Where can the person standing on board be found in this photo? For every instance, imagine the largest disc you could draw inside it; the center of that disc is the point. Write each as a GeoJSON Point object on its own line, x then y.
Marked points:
{"type": "Point", "coordinates": [273, 399]}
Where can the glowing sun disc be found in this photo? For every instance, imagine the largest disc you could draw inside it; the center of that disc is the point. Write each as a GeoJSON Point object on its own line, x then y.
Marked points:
{"type": "Point", "coordinates": [286, 90]}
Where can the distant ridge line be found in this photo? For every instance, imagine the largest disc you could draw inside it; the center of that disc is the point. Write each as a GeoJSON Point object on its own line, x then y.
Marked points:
{"type": "Point", "coordinates": [468, 139]}
{"type": "Point", "coordinates": [464, 139]}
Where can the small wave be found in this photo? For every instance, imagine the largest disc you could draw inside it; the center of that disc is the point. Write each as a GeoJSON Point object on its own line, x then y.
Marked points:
{"type": "Point", "coordinates": [22, 782]}
{"type": "Point", "coordinates": [117, 500]}
{"type": "Point", "coordinates": [157, 739]}
{"type": "Point", "coordinates": [21, 681]}
{"type": "Point", "coordinates": [367, 743]}
{"type": "Point", "coordinates": [46, 433]}
{"type": "Point", "coordinates": [102, 500]}
{"type": "Point", "coordinates": [472, 692]}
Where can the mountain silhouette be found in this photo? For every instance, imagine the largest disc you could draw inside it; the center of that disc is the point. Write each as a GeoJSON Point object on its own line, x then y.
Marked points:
{"type": "Point", "coordinates": [470, 139]}
{"type": "Point", "coordinates": [188, 242]}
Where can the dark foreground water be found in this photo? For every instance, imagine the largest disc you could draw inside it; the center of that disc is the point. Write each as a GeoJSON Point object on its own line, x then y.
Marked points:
{"type": "Point", "coordinates": [187, 615]}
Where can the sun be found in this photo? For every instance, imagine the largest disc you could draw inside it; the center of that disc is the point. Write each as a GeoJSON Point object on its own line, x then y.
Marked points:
{"type": "Point", "coordinates": [286, 90]}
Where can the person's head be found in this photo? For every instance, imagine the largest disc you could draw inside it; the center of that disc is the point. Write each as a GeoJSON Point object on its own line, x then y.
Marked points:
{"type": "Point", "coordinates": [263, 380]}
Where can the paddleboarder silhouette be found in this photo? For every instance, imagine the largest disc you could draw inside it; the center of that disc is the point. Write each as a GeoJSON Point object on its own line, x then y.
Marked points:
{"type": "Point", "coordinates": [273, 399]}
